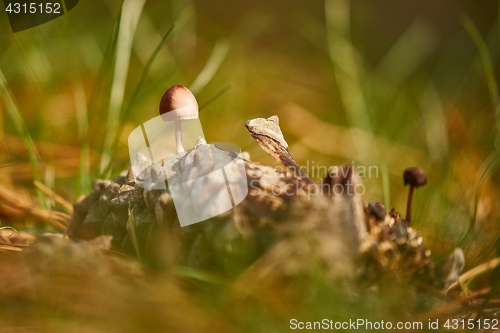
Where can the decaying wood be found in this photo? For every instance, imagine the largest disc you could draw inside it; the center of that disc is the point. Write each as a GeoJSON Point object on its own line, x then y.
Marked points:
{"type": "Point", "coordinates": [268, 135]}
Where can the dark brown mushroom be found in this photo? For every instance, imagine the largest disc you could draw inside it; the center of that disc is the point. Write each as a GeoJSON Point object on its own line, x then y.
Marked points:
{"type": "Point", "coordinates": [415, 177]}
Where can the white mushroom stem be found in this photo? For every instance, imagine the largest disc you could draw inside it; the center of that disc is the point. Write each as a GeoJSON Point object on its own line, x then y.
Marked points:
{"type": "Point", "coordinates": [178, 136]}
{"type": "Point", "coordinates": [178, 104]}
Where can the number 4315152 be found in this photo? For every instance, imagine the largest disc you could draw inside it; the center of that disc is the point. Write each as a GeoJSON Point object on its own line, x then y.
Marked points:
{"type": "Point", "coordinates": [471, 324]}
{"type": "Point", "coordinates": [33, 8]}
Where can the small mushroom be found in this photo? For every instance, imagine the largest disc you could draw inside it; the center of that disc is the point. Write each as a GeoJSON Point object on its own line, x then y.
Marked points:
{"type": "Point", "coordinates": [177, 104]}
{"type": "Point", "coordinates": [415, 177]}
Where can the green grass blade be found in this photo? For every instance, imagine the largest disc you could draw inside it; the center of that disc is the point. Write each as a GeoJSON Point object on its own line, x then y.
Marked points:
{"type": "Point", "coordinates": [49, 181]}
{"type": "Point", "coordinates": [133, 234]}
{"type": "Point", "coordinates": [343, 59]}
{"type": "Point", "coordinates": [131, 11]}
{"type": "Point", "coordinates": [386, 186]}
{"type": "Point", "coordinates": [408, 53]}
{"type": "Point", "coordinates": [214, 97]}
{"type": "Point", "coordinates": [84, 176]}
{"type": "Point", "coordinates": [137, 89]}
{"type": "Point", "coordinates": [105, 66]}
{"type": "Point", "coordinates": [489, 72]}
{"type": "Point", "coordinates": [145, 72]}
{"type": "Point", "coordinates": [199, 275]}
{"type": "Point", "coordinates": [485, 171]}
{"type": "Point", "coordinates": [435, 128]}
{"type": "Point", "coordinates": [99, 90]}
{"type": "Point", "coordinates": [211, 67]}
{"type": "Point", "coordinates": [20, 126]}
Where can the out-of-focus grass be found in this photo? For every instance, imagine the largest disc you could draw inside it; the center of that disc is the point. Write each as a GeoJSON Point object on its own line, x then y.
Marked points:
{"type": "Point", "coordinates": [23, 133]}
{"type": "Point", "coordinates": [133, 235]}
{"type": "Point", "coordinates": [83, 133]}
{"type": "Point", "coordinates": [489, 72]}
{"type": "Point", "coordinates": [351, 83]}
{"type": "Point", "coordinates": [129, 18]}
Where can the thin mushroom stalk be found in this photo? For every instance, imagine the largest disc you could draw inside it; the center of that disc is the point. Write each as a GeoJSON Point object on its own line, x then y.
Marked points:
{"type": "Point", "coordinates": [178, 136]}
{"type": "Point", "coordinates": [408, 204]}
{"type": "Point", "coordinates": [178, 104]}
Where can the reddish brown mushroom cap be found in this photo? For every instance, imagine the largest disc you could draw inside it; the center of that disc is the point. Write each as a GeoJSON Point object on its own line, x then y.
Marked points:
{"type": "Point", "coordinates": [415, 177]}
{"type": "Point", "coordinates": [178, 103]}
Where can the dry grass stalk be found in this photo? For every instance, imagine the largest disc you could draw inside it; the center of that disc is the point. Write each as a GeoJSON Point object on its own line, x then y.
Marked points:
{"type": "Point", "coordinates": [53, 195]}
{"type": "Point", "coordinates": [480, 269]}
{"type": "Point", "coordinates": [15, 207]}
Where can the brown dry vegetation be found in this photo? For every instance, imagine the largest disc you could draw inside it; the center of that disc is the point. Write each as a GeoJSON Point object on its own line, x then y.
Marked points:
{"type": "Point", "coordinates": [387, 84]}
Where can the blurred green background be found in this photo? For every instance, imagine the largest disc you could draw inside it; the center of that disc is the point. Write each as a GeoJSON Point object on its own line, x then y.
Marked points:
{"type": "Point", "coordinates": [388, 84]}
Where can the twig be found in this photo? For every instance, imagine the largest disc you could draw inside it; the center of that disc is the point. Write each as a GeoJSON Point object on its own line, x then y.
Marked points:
{"type": "Point", "coordinates": [475, 271]}
{"type": "Point", "coordinates": [53, 195]}
{"type": "Point", "coordinates": [10, 247]}
{"type": "Point", "coordinates": [21, 209]}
